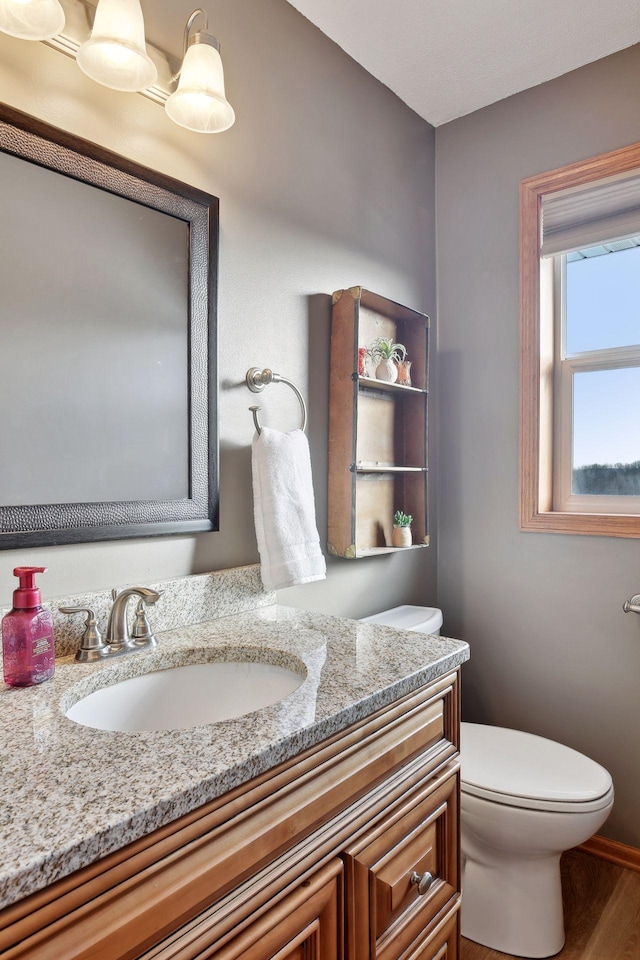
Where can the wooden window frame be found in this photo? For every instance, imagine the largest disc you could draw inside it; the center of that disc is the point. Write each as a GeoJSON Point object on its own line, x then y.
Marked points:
{"type": "Point", "coordinates": [536, 507]}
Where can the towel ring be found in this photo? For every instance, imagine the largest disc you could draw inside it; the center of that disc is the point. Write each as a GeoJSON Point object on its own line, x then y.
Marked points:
{"type": "Point", "coordinates": [258, 379]}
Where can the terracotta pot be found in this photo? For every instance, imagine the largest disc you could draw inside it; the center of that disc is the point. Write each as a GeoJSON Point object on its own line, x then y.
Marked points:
{"type": "Point", "coordinates": [404, 372]}
{"type": "Point", "coordinates": [401, 536]}
{"type": "Point", "coordinates": [387, 370]}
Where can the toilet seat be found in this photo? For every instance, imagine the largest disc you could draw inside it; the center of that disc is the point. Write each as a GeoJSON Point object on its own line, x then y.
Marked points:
{"type": "Point", "coordinates": [519, 769]}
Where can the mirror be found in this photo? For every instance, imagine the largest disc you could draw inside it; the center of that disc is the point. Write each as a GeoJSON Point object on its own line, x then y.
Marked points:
{"type": "Point", "coordinates": [108, 379]}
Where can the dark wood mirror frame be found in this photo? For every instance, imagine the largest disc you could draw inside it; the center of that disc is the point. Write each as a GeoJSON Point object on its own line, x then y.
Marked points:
{"type": "Point", "coordinates": [196, 508]}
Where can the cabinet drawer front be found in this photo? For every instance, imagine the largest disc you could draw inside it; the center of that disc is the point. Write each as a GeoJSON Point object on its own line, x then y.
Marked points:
{"type": "Point", "coordinates": [393, 879]}
{"type": "Point", "coordinates": [403, 872]}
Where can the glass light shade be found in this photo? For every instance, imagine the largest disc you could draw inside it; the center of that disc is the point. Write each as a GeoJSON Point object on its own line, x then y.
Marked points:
{"type": "Point", "coordinates": [31, 19]}
{"type": "Point", "coordinates": [115, 54]}
{"type": "Point", "coordinates": [200, 103]}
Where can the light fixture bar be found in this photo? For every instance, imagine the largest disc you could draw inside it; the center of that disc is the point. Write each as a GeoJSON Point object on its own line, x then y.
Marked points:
{"type": "Point", "coordinates": [79, 19]}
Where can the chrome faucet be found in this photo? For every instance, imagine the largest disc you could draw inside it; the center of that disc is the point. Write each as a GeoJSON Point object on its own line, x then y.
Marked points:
{"type": "Point", "coordinates": [118, 636]}
{"type": "Point", "coordinates": [118, 639]}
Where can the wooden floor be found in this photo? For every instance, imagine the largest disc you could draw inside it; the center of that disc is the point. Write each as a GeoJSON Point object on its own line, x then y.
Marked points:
{"type": "Point", "coordinates": [601, 910]}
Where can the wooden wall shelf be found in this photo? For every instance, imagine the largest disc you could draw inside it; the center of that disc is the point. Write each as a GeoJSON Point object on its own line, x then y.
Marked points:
{"type": "Point", "coordinates": [377, 430]}
{"type": "Point", "coordinates": [372, 383]}
{"type": "Point", "coordinates": [378, 551]}
{"type": "Point", "coordinates": [375, 468]}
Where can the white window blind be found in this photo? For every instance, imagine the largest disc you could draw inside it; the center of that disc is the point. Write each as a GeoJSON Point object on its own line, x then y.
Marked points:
{"type": "Point", "coordinates": [579, 217]}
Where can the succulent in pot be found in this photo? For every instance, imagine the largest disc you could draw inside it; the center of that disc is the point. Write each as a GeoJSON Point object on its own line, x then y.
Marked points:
{"type": "Point", "coordinates": [401, 533]}
{"type": "Point", "coordinates": [385, 353]}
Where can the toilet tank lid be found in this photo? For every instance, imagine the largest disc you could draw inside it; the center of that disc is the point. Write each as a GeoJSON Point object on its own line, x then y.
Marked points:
{"type": "Point", "coordinates": [513, 763]}
{"type": "Point", "coordinates": [408, 617]}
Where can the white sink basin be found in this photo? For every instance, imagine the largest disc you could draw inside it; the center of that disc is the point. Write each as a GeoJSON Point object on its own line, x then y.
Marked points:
{"type": "Point", "coordinates": [181, 697]}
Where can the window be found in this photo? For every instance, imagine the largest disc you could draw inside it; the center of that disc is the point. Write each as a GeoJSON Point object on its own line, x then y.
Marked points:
{"type": "Point", "coordinates": [596, 386]}
{"type": "Point", "coordinates": [580, 348]}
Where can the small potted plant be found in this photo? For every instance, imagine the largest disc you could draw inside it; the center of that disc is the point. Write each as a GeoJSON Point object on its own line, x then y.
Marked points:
{"type": "Point", "coordinates": [401, 534]}
{"type": "Point", "coordinates": [385, 353]}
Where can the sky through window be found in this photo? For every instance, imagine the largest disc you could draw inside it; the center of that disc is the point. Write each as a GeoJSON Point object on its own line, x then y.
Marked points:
{"type": "Point", "coordinates": [603, 311]}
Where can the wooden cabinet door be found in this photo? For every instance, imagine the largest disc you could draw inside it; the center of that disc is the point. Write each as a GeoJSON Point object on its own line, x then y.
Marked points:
{"type": "Point", "coordinates": [387, 906]}
{"type": "Point", "coordinates": [443, 943]}
{"type": "Point", "coordinates": [304, 924]}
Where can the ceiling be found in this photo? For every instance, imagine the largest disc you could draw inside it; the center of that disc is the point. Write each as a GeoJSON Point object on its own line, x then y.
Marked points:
{"type": "Point", "coordinates": [447, 58]}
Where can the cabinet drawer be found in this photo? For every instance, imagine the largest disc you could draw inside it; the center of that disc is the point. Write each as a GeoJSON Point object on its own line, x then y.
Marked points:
{"type": "Point", "coordinates": [402, 873]}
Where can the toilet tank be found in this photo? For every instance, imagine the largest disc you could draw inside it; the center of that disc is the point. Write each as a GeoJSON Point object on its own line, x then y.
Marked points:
{"type": "Point", "coordinates": [408, 617]}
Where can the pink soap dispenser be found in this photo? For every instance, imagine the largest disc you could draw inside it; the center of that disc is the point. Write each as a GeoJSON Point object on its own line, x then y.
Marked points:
{"type": "Point", "coordinates": [27, 634]}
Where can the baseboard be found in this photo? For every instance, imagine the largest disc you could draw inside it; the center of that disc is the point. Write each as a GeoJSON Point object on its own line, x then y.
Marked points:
{"type": "Point", "coordinates": [614, 852]}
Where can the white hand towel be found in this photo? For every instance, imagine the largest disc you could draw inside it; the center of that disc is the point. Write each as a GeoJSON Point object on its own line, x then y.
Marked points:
{"type": "Point", "coordinates": [284, 509]}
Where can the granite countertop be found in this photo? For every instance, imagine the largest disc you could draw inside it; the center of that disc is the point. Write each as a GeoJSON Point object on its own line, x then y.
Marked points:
{"type": "Point", "coordinates": [72, 794]}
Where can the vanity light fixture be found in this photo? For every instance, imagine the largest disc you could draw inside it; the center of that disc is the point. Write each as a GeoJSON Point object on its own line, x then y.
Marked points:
{"type": "Point", "coordinates": [115, 54]}
{"type": "Point", "coordinates": [199, 102]}
{"type": "Point", "coordinates": [31, 19]}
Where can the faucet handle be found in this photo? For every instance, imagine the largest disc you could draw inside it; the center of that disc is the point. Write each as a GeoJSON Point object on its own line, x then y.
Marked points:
{"type": "Point", "coordinates": [93, 646]}
{"type": "Point", "coordinates": [141, 633]}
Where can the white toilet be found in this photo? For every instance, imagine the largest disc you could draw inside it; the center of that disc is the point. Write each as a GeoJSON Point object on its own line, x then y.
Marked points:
{"type": "Point", "coordinates": [524, 801]}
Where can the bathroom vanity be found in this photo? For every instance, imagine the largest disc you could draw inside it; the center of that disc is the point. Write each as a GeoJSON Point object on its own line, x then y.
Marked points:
{"type": "Point", "coordinates": [324, 826]}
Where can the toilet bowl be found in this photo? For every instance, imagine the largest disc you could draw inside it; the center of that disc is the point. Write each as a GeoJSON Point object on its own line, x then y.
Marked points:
{"type": "Point", "coordinates": [524, 801]}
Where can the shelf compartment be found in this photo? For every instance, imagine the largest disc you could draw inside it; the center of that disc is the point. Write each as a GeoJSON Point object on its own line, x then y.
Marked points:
{"type": "Point", "coordinates": [391, 429]}
{"type": "Point", "coordinates": [377, 497]}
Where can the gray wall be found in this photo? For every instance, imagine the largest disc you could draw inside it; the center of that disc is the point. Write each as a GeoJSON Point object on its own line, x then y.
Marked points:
{"type": "Point", "coordinates": [552, 651]}
{"type": "Point", "coordinates": [325, 181]}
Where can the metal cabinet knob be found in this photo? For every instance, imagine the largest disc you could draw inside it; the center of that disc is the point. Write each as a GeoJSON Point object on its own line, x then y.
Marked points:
{"type": "Point", "coordinates": [421, 882]}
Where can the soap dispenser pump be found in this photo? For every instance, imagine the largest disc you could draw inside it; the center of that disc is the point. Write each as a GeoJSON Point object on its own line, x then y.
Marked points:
{"type": "Point", "coordinates": [28, 653]}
